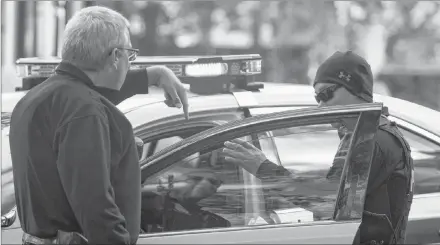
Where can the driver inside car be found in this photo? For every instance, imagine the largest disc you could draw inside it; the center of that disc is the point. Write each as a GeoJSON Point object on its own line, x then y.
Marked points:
{"type": "Point", "coordinates": [173, 203]}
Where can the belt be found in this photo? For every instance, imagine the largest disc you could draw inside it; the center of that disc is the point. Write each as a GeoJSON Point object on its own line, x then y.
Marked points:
{"type": "Point", "coordinates": [29, 239]}
{"type": "Point", "coordinates": [61, 238]}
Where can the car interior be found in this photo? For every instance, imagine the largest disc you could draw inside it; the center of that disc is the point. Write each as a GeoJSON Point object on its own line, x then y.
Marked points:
{"type": "Point", "coordinates": [192, 179]}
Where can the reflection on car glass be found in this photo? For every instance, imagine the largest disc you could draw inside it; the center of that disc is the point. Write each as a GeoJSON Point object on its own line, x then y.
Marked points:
{"type": "Point", "coordinates": [203, 190]}
{"type": "Point", "coordinates": [303, 129]}
{"type": "Point", "coordinates": [311, 154]}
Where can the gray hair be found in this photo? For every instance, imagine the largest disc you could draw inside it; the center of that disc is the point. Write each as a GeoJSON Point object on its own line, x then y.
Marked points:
{"type": "Point", "coordinates": [90, 34]}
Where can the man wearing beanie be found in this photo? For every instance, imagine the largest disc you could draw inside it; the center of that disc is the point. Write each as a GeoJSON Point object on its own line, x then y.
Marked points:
{"type": "Point", "coordinates": [345, 78]}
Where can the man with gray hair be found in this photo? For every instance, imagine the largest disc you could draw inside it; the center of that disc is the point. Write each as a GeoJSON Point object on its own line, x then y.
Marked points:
{"type": "Point", "coordinates": [74, 157]}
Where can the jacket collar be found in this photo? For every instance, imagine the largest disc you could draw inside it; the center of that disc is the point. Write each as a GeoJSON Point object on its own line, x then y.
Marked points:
{"type": "Point", "coordinates": [73, 71]}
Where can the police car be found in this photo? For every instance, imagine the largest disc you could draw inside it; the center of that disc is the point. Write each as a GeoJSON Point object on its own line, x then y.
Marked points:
{"type": "Point", "coordinates": [283, 121]}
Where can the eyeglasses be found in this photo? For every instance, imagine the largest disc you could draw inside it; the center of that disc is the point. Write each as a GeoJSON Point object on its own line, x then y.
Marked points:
{"type": "Point", "coordinates": [327, 93]}
{"type": "Point", "coordinates": [132, 53]}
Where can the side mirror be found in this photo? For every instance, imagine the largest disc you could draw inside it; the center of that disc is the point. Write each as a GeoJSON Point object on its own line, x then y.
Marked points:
{"type": "Point", "coordinates": [9, 218]}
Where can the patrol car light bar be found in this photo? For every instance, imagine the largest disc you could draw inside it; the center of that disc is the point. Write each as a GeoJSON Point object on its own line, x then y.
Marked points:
{"type": "Point", "coordinates": [182, 66]}
{"type": "Point", "coordinates": [206, 70]}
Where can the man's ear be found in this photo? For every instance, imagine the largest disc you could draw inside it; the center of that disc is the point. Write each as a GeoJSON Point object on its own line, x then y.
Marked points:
{"type": "Point", "coordinates": [114, 57]}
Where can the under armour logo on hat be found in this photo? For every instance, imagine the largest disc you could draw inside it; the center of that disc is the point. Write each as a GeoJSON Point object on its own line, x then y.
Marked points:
{"type": "Point", "coordinates": [344, 76]}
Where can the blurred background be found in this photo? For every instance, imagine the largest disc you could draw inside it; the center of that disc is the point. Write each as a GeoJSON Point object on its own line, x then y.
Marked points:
{"type": "Point", "coordinates": [400, 39]}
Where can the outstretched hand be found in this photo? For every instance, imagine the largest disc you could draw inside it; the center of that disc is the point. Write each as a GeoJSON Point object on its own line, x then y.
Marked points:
{"type": "Point", "coordinates": [244, 154]}
{"type": "Point", "coordinates": [175, 93]}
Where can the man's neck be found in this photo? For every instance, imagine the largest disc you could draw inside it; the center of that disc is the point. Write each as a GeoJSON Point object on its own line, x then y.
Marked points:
{"type": "Point", "coordinates": [349, 124]}
{"type": "Point", "coordinates": [97, 79]}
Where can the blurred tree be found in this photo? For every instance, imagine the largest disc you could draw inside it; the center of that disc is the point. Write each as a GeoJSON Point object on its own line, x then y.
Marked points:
{"type": "Point", "coordinates": [153, 14]}
{"type": "Point", "coordinates": [299, 27]}
{"type": "Point", "coordinates": [398, 36]}
{"type": "Point", "coordinates": [294, 25]}
{"type": "Point", "coordinates": [401, 31]}
{"type": "Point", "coordinates": [203, 12]}
{"type": "Point", "coordinates": [413, 24]}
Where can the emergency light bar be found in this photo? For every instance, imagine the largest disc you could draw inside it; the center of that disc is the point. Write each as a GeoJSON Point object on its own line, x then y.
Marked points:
{"type": "Point", "coordinates": [185, 66]}
{"type": "Point", "coordinates": [205, 74]}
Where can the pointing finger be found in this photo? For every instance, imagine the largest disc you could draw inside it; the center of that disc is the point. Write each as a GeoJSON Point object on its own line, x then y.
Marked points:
{"type": "Point", "coordinates": [184, 100]}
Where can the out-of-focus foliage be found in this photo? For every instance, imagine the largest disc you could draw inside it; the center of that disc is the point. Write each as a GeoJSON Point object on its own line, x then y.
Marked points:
{"type": "Point", "coordinates": [410, 29]}
{"type": "Point", "coordinates": [400, 39]}
{"type": "Point", "coordinates": [293, 36]}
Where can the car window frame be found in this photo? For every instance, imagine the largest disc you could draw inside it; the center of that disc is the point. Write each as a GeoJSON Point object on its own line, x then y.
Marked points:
{"type": "Point", "coordinates": [416, 130]}
{"type": "Point", "coordinates": [306, 116]}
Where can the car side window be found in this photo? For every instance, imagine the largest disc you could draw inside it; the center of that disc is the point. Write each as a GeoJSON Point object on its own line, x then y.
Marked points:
{"type": "Point", "coordinates": [152, 147]}
{"type": "Point", "coordinates": [200, 191]}
{"type": "Point", "coordinates": [205, 190]}
{"type": "Point", "coordinates": [315, 157]}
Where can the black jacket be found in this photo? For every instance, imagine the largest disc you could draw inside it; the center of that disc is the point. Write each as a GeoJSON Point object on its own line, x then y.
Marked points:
{"type": "Point", "coordinates": [74, 159]}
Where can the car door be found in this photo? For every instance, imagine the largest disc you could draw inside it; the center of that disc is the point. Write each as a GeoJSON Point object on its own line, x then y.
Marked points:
{"type": "Point", "coordinates": [423, 225]}
{"type": "Point", "coordinates": [253, 208]}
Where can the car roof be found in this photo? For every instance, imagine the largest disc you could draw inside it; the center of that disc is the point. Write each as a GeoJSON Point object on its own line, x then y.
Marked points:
{"type": "Point", "coordinates": [276, 95]}
{"type": "Point", "coordinates": [141, 109]}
